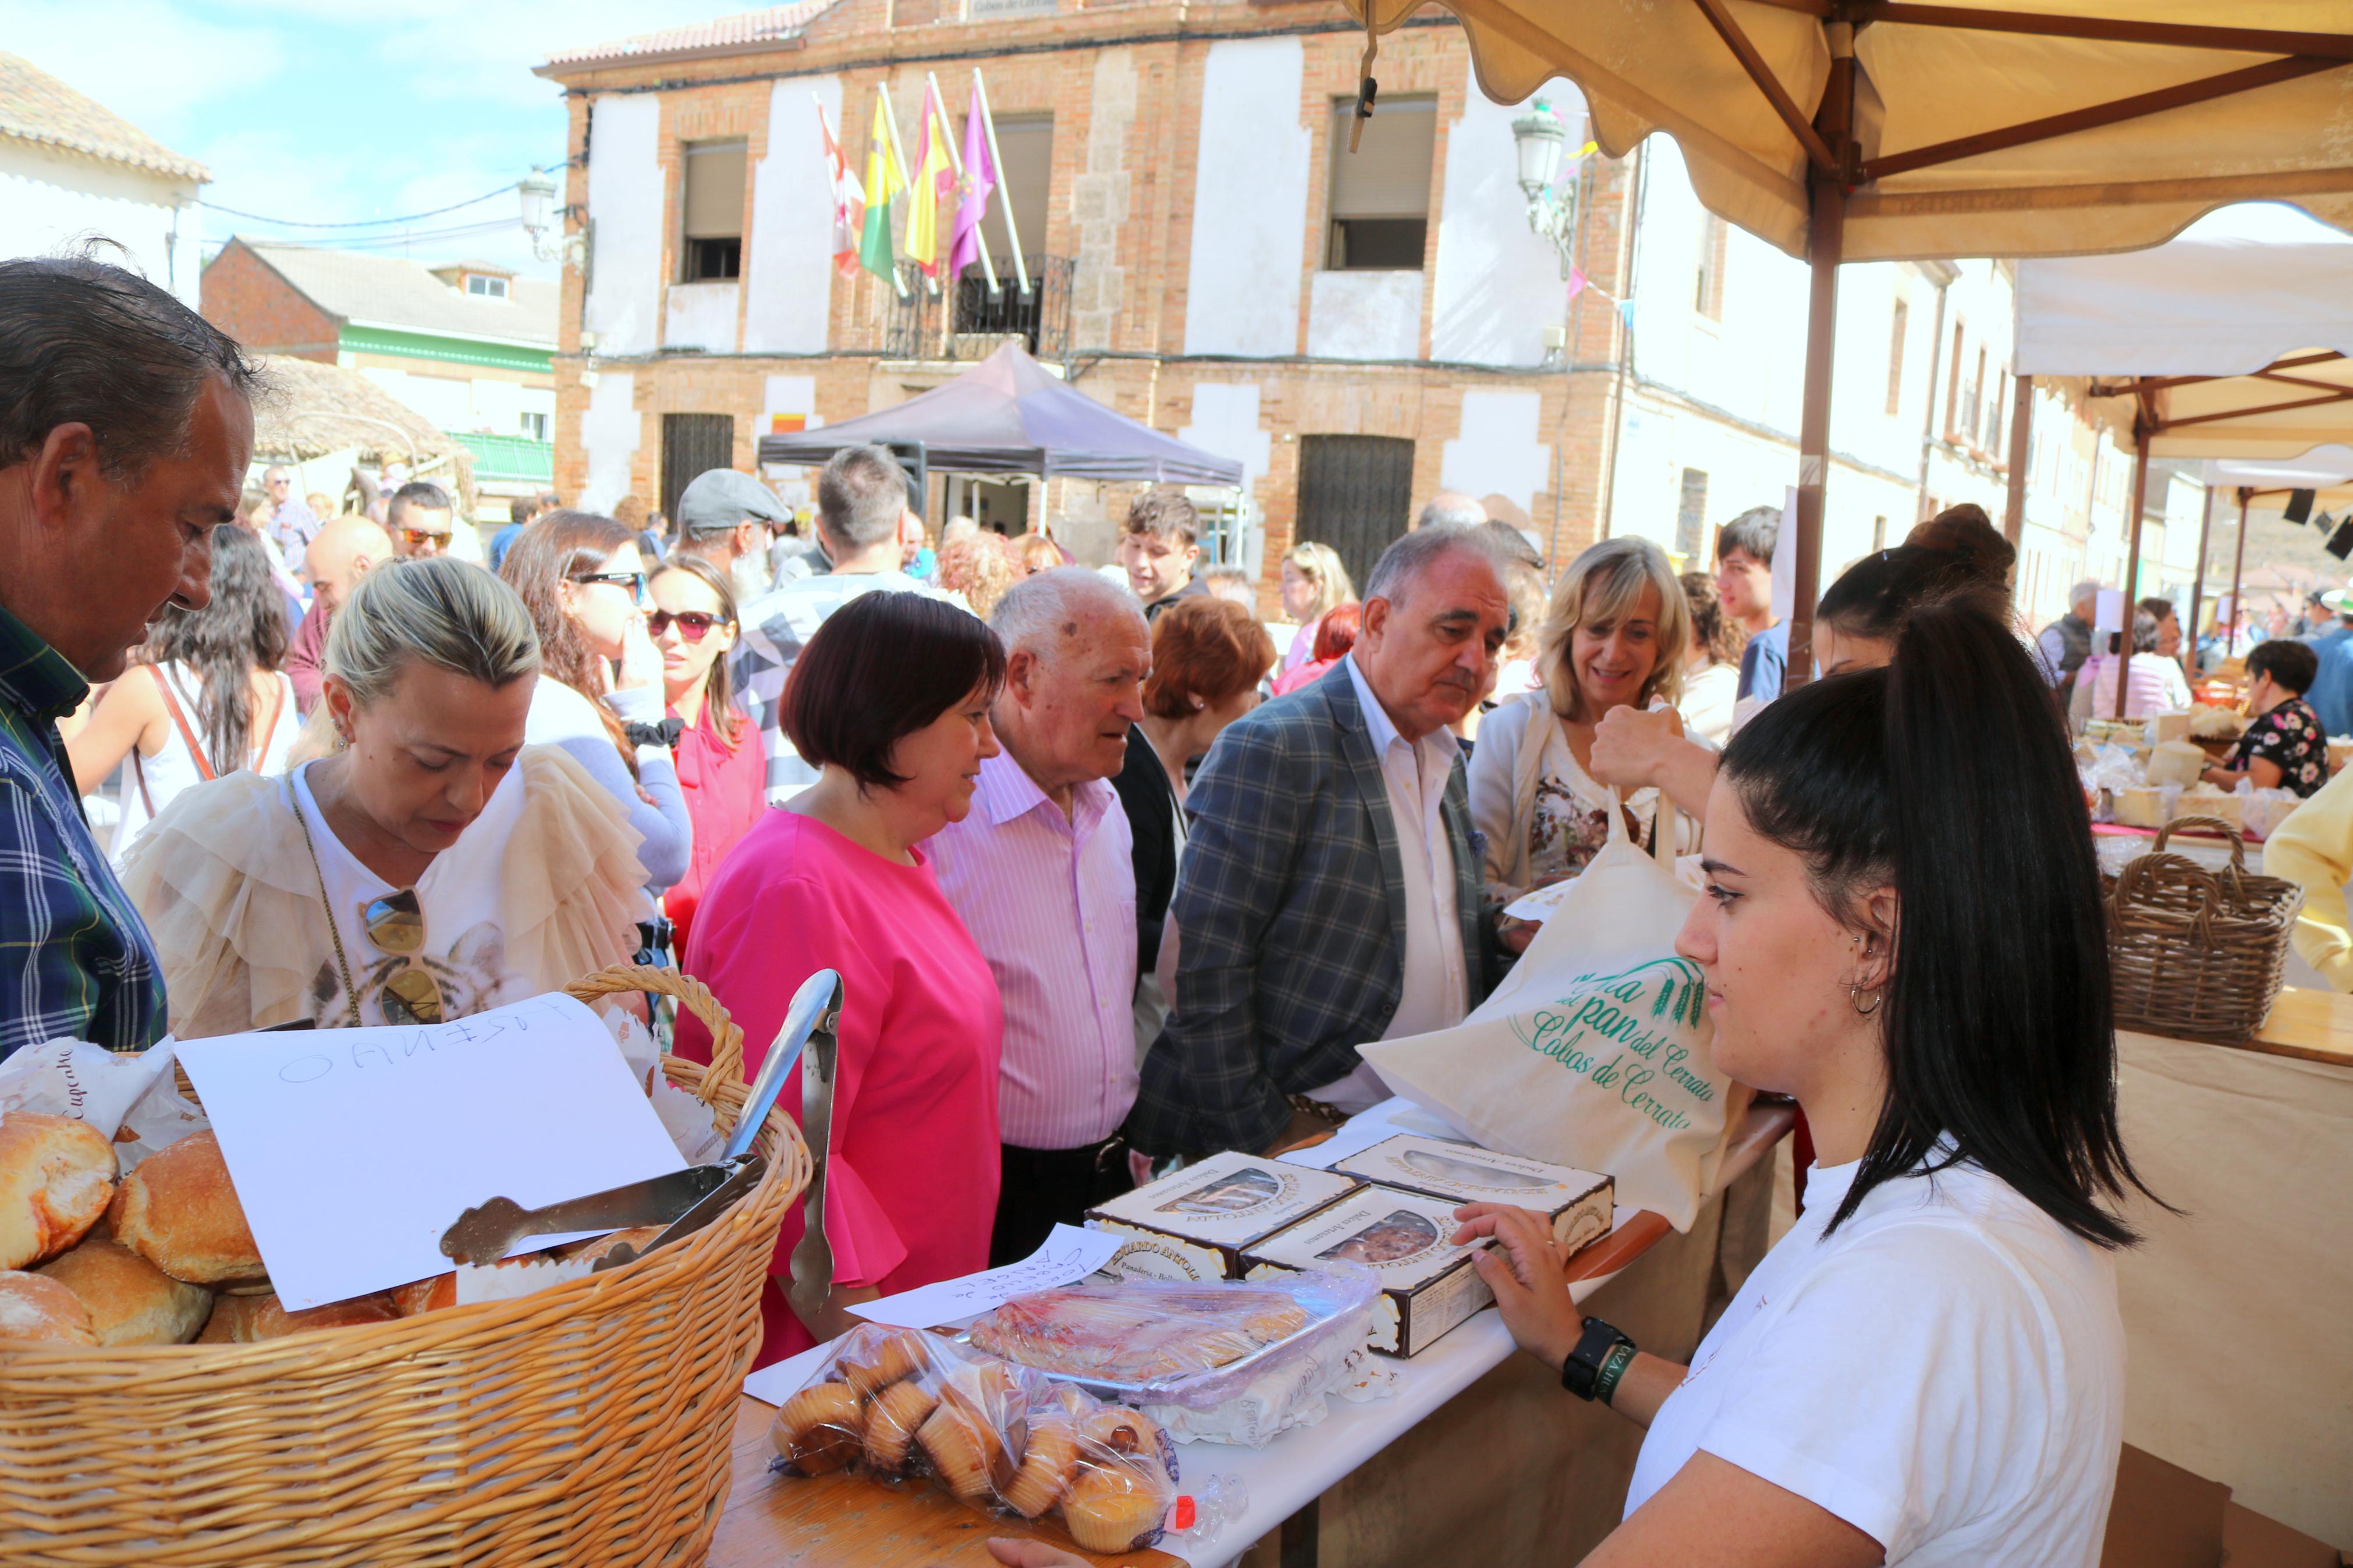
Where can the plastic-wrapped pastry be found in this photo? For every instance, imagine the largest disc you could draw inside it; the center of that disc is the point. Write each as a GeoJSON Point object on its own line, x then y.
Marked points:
{"type": "Point", "coordinates": [892, 1421]}
{"type": "Point", "coordinates": [1048, 1463]}
{"type": "Point", "coordinates": [1138, 1331]}
{"type": "Point", "coordinates": [820, 1428]}
{"type": "Point", "coordinates": [1116, 1507]}
{"type": "Point", "coordinates": [965, 1454]}
{"type": "Point", "coordinates": [882, 1360]}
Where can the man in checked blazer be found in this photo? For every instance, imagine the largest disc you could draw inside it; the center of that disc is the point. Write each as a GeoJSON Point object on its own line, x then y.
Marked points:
{"type": "Point", "coordinates": [1329, 893]}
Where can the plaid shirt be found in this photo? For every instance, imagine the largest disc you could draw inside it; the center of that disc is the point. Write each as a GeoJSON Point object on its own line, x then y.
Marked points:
{"type": "Point", "coordinates": [74, 955]}
{"type": "Point", "coordinates": [1290, 906]}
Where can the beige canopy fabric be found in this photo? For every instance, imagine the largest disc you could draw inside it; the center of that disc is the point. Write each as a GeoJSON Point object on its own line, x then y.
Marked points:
{"type": "Point", "coordinates": [2268, 117]}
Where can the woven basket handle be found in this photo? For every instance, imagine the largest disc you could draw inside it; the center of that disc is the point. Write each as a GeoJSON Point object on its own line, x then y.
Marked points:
{"type": "Point", "coordinates": [2229, 833]}
{"type": "Point", "coordinates": [726, 1040]}
{"type": "Point", "coordinates": [2140, 874]}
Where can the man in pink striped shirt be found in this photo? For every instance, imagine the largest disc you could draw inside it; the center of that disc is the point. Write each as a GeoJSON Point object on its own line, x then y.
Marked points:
{"type": "Point", "coordinates": [1042, 872]}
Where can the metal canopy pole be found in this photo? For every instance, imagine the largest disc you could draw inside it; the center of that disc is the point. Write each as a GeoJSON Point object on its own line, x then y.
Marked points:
{"type": "Point", "coordinates": [2238, 566]}
{"type": "Point", "coordinates": [2132, 559]}
{"type": "Point", "coordinates": [2198, 584]}
{"type": "Point", "coordinates": [1826, 240]}
{"type": "Point", "coordinates": [2022, 433]}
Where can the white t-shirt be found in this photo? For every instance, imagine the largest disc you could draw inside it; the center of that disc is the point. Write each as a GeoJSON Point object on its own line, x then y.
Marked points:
{"type": "Point", "coordinates": [1945, 1373]}
{"type": "Point", "coordinates": [460, 893]}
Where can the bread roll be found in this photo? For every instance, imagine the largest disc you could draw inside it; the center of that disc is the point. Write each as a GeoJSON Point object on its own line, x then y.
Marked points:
{"type": "Point", "coordinates": [130, 1300]}
{"type": "Point", "coordinates": [248, 1320]}
{"type": "Point", "coordinates": [179, 1211]}
{"type": "Point", "coordinates": [425, 1295]}
{"type": "Point", "coordinates": [33, 1308]}
{"type": "Point", "coordinates": [57, 1175]}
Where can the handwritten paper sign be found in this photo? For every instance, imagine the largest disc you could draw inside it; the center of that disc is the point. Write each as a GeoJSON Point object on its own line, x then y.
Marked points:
{"type": "Point", "coordinates": [353, 1150]}
{"type": "Point", "coordinates": [1070, 1254]}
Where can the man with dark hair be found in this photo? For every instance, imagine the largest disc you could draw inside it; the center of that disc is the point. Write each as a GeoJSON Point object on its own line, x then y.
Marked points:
{"type": "Point", "coordinates": [861, 493]}
{"type": "Point", "coordinates": [1744, 585]}
{"type": "Point", "coordinates": [519, 516]}
{"type": "Point", "coordinates": [126, 423]}
{"type": "Point", "coordinates": [1330, 893]}
{"type": "Point", "coordinates": [1158, 545]}
{"type": "Point", "coordinates": [729, 519]}
{"type": "Point", "coordinates": [420, 520]}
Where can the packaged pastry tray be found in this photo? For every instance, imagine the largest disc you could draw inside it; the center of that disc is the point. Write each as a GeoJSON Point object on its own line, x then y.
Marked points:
{"type": "Point", "coordinates": [1193, 1226]}
{"type": "Point", "coordinates": [1578, 1203]}
{"type": "Point", "coordinates": [1427, 1284]}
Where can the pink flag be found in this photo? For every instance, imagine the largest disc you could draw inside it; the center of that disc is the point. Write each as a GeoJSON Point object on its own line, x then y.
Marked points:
{"type": "Point", "coordinates": [979, 179]}
{"type": "Point", "coordinates": [1577, 281]}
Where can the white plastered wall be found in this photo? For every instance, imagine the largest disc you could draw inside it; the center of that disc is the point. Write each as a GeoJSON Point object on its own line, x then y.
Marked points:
{"type": "Point", "coordinates": [625, 203]}
{"type": "Point", "coordinates": [788, 265]}
{"type": "Point", "coordinates": [793, 484]}
{"type": "Point", "coordinates": [610, 429]}
{"type": "Point", "coordinates": [1498, 452]}
{"type": "Point", "coordinates": [51, 199]}
{"type": "Point", "coordinates": [1364, 315]}
{"type": "Point", "coordinates": [1249, 246]}
{"type": "Point", "coordinates": [1497, 284]}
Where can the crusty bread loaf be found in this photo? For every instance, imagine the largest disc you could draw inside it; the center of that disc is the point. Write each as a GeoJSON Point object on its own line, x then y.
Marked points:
{"type": "Point", "coordinates": [56, 1176]}
{"type": "Point", "coordinates": [247, 1319]}
{"type": "Point", "coordinates": [130, 1300]}
{"type": "Point", "coordinates": [429, 1294]}
{"type": "Point", "coordinates": [33, 1308]}
{"type": "Point", "coordinates": [179, 1211]}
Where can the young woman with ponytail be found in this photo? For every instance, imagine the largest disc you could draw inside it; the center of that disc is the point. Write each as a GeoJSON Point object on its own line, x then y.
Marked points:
{"type": "Point", "coordinates": [1902, 931]}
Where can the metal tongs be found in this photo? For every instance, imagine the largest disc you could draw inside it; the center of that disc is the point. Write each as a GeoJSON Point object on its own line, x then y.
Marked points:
{"type": "Point", "coordinates": [683, 1201]}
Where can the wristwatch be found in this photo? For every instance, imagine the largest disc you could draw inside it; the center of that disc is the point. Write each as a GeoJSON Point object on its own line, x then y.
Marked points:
{"type": "Point", "coordinates": [1600, 1358]}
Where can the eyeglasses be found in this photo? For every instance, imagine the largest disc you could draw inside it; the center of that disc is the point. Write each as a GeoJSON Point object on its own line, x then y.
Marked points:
{"type": "Point", "coordinates": [421, 535]}
{"type": "Point", "coordinates": [692, 625]}
{"type": "Point", "coordinates": [635, 582]}
{"type": "Point", "coordinates": [396, 923]}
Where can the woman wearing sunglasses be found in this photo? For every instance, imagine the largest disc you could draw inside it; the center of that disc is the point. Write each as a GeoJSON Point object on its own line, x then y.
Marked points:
{"type": "Point", "coordinates": [722, 767]}
{"type": "Point", "coordinates": [430, 867]}
{"type": "Point", "coordinates": [599, 695]}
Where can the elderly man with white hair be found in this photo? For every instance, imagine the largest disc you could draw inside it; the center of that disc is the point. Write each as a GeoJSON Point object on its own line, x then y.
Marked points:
{"type": "Point", "coordinates": [1042, 871]}
{"type": "Point", "coordinates": [2066, 642]}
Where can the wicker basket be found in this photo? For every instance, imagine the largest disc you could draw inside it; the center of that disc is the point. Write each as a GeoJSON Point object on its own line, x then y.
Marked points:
{"type": "Point", "coordinates": [589, 1423]}
{"type": "Point", "coordinates": [2196, 953]}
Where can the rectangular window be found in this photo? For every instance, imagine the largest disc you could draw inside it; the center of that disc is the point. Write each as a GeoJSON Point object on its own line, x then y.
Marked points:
{"type": "Point", "coordinates": [1025, 167]}
{"type": "Point", "coordinates": [1380, 193]}
{"type": "Point", "coordinates": [1953, 385]}
{"type": "Point", "coordinates": [1879, 533]}
{"type": "Point", "coordinates": [1707, 288]}
{"type": "Point", "coordinates": [1995, 412]}
{"type": "Point", "coordinates": [488, 288]}
{"type": "Point", "coordinates": [1895, 357]}
{"type": "Point", "coordinates": [535, 426]}
{"type": "Point", "coordinates": [1973, 401]}
{"type": "Point", "coordinates": [1691, 517]}
{"type": "Point", "coordinates": [712, 247]}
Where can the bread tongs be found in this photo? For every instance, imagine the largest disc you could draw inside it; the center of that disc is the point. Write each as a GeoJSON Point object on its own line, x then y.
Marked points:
{"type": "Point", "coordinates": [683, 1201]}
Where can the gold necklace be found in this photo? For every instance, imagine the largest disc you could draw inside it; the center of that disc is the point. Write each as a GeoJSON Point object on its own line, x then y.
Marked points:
{"type": "Point", "coordinates": [326, 902]}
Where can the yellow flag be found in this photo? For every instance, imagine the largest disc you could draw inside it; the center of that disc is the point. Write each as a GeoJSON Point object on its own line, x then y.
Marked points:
{"type": "Point", "coordinates": [881, 184]}
{"type": "Point", "coordinates": [934, 177]}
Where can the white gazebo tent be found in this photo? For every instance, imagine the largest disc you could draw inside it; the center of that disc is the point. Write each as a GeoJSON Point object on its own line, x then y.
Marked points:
{"type": "Point", "coordinates": [2229, 342]}
{"type": "Point", "coordinates": [1885, 130]}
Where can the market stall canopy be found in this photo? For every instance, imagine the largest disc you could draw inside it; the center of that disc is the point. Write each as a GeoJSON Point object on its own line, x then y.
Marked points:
{"type": "Point", "coordinates": [2220, 344]}
{"type": "Point", "coordinates": [1980, 127]}
{"type": "Point", "coordinates": [1009, 415]}
{"type": "Point", "coordinates": [309, 410]}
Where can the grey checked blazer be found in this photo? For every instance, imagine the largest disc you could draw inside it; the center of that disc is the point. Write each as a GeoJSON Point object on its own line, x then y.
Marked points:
{"type": "Point", "coordinates": [1291, 906]}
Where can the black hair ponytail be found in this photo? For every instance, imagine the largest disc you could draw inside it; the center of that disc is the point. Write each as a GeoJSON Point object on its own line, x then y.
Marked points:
{"type": "Point", "coordinates": [1947, 775]}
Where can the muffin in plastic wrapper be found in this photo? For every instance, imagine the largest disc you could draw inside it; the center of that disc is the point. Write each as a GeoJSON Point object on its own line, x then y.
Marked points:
{"type": "Point", "coordinates": [905, 1405]}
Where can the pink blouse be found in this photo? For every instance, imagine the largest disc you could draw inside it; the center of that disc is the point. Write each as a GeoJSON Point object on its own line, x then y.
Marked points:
{"type": "Point", "coordinates": [726, 790]}
{"type": "Point", "coordinates": [911, 1195]}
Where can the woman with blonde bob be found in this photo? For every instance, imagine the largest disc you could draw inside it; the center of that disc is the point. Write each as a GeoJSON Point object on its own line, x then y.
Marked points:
{"type": "Point", "coordinates": [1615, 636]}
{"type": "Point", "coordinates": [1314, 581]}
{"type": "Point", "coordinates": [429, 865]}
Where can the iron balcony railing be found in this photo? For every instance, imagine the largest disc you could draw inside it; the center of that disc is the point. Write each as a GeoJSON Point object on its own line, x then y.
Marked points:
{"type": "Point", "coordinates": [965, 321]}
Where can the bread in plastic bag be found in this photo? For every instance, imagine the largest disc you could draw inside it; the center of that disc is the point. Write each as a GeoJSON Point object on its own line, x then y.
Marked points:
{"type": "Point", "coordinates": [901, 1404]}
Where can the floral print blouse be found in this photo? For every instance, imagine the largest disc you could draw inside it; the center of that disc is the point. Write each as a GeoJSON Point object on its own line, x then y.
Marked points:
{"type": "Point", "coordinates": [2291, 738]}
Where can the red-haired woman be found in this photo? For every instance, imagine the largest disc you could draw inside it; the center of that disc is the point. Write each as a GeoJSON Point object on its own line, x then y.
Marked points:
{"type": "Point", "coordinates": [889, 698]}
{"type": "Point", "coordinates": [1336, 634]}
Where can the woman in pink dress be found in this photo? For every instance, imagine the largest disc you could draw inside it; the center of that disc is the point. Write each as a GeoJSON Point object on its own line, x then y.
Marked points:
{"type": "Point", "coordinates": [890, 699]}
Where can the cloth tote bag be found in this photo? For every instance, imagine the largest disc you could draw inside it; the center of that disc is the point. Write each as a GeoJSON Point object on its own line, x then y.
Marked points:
{"type": "Point", "coordinates": [1596, 1050]}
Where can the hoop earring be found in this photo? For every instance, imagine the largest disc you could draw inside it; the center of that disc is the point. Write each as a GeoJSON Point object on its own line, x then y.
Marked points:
{"type": "Point", "coordinates": [1854, 995]}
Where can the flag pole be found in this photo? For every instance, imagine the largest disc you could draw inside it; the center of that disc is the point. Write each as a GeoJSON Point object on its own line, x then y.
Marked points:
{"type": "Point", "coordinates": [891, 134]}
{"type": "Point", "coordinates": [1004, 196]}
{"type": "Point", "coordinates": [955, 162]}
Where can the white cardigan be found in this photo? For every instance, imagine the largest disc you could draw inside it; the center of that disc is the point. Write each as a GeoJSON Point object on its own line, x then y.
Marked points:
{"type": "Point", "coordinates": [1506, 764]}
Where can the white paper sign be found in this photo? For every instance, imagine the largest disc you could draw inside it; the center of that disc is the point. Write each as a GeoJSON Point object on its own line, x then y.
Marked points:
{"type": "Point", "coordinates": [1070, 1254]}
{"type": "Point", "coordinates": [353, 1150]}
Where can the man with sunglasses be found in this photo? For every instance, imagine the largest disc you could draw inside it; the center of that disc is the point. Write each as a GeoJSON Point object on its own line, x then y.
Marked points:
{"type": "Point", "coordinates": [729, 519]}
{"type": "Point", "coordinates": [421, 519]}
{"type": "Point", "coordinates": [293, 523]}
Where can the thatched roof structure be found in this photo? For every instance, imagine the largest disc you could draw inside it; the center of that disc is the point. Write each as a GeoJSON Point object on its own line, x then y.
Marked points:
{"type": "Point", "coordinates": [309, 410]}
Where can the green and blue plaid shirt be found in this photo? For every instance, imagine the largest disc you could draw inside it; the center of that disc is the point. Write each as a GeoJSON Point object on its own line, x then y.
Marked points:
{"type": "Point", "coordinates": [74, 955]}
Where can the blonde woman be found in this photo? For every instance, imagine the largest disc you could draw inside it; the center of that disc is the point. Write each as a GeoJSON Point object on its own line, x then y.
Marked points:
{"type": "Point", "coordinates": [430, 867]}
{"type": "Point", "coordinates": [1616, 636]}
{"type": "Point", "coordinates": [1312, 582]}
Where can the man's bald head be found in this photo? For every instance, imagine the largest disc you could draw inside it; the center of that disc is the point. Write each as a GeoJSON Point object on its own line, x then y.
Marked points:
{"type": "Point", "coordinates": [342, 554]}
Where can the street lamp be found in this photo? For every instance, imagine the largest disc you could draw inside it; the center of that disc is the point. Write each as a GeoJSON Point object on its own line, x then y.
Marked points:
{"type": "Point", "coordinates": [537, 192]}
{"type": "Point", "coordinates": [1542, 143]}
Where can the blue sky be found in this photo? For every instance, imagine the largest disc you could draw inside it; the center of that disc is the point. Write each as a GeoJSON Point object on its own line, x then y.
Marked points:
{"type": "Point", "coordinates": [336, 109]}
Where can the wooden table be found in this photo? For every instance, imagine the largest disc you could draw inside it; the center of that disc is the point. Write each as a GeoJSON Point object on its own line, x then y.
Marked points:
{"type": "Point", "coordinates": [2315, 1025]}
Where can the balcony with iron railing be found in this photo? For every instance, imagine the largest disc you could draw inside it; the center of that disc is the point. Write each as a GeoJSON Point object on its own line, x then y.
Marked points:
{"type": "Point", "coordinates": [968, 320]}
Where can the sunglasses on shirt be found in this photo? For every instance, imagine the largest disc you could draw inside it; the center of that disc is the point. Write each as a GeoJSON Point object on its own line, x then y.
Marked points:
{"type": "Point", "coordinates": [396, 923]}
{"type": "Point", "coordinates": [692, 625]}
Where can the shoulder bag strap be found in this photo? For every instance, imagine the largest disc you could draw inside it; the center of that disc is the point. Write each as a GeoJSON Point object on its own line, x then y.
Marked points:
{"type": "Point", "coordinates": [172, 702]}
{"type": "Point", "coordinates": [269, 732]}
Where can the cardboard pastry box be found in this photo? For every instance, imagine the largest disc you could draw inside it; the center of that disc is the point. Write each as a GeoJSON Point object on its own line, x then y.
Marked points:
{"type": "Point", "coordinates": [1428, 1286]}
{"type": "Point", "coordinates": [1196, 1223]}
{"type": "Point", "coordinates": [1578, 1203]}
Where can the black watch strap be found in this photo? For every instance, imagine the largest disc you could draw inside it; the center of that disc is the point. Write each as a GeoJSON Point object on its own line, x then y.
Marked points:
{"type": "Point", "coordinates": [1582, 1371]}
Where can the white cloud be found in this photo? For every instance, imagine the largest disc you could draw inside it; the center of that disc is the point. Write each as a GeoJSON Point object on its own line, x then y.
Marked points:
{"type": "Point", "coordinates": [150, 62]}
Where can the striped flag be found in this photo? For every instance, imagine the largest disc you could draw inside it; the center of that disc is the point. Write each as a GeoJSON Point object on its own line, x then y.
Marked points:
{"type": "Point", "coordinates": [874, 251]}
{"type": "Point", "coordinates": [849, 200]}
{"type": "Point", "coordinates": [933, 179]}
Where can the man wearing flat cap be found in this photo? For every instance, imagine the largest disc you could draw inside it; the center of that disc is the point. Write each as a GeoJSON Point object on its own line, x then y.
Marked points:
{"type": "Point", "coordinates": [726, 518]}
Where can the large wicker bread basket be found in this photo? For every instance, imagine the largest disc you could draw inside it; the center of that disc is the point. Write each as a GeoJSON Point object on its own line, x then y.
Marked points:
{"type": "Point", "coordinates": [585, 1424]}
{"type": "Point", "coordinates": [2194, 953]}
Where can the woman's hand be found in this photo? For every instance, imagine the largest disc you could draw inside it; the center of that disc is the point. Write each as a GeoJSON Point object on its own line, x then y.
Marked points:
{"type": "Point", "coordinates": [1630, 748]}
{"type": "Point", "coordinates": [1516, 934]}
{"type": "Point", "coordinates": [1525, 1270]}
{"type": "Point", "coordinates": [642, 662]}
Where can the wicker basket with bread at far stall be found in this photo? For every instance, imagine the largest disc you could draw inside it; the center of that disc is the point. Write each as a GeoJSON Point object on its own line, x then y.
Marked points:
{"type": "Point", "coordinates": [585, 1424]}
{"type": "Point", "coordinates": [2193, 953]}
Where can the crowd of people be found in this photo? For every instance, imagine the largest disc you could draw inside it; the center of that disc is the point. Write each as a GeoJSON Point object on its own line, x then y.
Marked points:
{"type": "Point", "coordinates": [1097, 906]}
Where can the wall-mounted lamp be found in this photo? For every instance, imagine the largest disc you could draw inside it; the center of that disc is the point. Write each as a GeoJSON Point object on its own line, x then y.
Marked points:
{"type": "Point", "coordinates": [1541, 141]}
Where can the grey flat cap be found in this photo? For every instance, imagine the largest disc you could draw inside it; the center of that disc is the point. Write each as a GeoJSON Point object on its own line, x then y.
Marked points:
{"type": "Point", "coordinates": [719, 498]}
